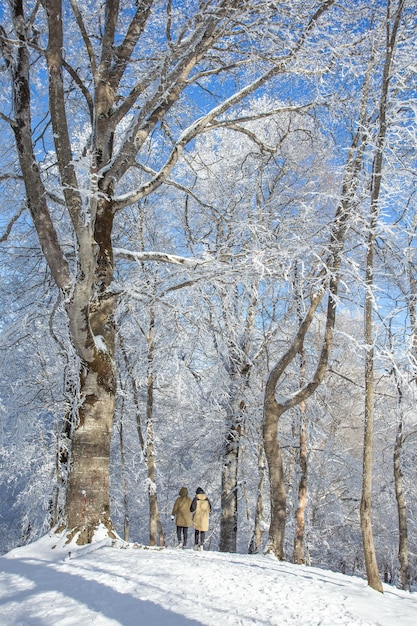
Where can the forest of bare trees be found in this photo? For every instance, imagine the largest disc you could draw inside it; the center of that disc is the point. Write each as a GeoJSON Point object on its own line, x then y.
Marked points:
{"type": "Point", "coordinates": [208, 274]}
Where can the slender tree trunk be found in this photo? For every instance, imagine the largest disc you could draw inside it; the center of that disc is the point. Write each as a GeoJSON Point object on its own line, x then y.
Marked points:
{"type": "Point", "coordinates": [403, 549]}
{"type": "Point", "coordinates": [371, 564]}
{"type": "Point", "coordinates": [403, 544]}
{"type": "Point", "coordinates": [402, 514]}
{"type": "Point", "coordinates": [58, 479]}
{"type": "Point", "coordinates": [63, 434]}
{"type": "Point", "coordinates": [156, 536]}
{"type": "Point", "coordinates": [126, 522]}
{"type": "Point", "coordinates": [239, 367]}
{"type": "Point", "coordinates": [391, 31]}
{"type": "Point", "coordinates": [298, 554]}
{"type": "Point", "coordinates": [229, 501]}
{"type": "Point", "coordinates": [255, 544]}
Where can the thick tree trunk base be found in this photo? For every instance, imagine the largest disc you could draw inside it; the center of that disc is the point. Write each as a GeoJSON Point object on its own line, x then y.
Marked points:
{"type": "Point", "coordinates": [85, 535]}
{"type": "Point", "coordinates": [88, 502]}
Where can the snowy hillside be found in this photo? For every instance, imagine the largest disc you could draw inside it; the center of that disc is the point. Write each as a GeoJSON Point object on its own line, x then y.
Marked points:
{"type": "Point", "coordinates": [137, 586]}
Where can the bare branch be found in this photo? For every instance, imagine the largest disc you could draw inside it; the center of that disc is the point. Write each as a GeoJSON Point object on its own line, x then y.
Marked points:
{"type": "Point", "coordinates": [139, 132]}
{"type": "Point", "coordinates": [75, 76]}
{"type": "Point", "coordinates": [84, 34]}
{"type": "Point", "coordinates": [123, 53]}
{"type": "Point", "coordinates": [10, 225]}
{"type": "Point", "coordinates": [35, 189]}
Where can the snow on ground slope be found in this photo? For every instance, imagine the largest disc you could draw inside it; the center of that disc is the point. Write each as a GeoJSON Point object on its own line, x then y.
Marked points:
{"type": "Point", "coordinates": [138, 586]}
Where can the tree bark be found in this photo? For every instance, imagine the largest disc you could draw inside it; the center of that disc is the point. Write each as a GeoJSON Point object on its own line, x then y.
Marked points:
{"type": "Point", "coordinates": [277, 490]}
{"type": "Point", "coordinates": [229, 499]}
{"type": "Point", "coordinates": [255, 544]}
{"type": "Point", "coordinates": [156, 535]}
{"type": "Point", "coordinates": [273, 410]}
{"type": "Point", "coordinates": [371, 564]}
{"type": "Point", "coordinates": [403, 550]}
{"type": "Point", "coordinates": [87, 503]}
{"type": "Point", "coordinates": [298, 554]}
{"type": "Point", "coordinates": [239, 367]}
{"type": "Point", "coordinates": [126, 517]}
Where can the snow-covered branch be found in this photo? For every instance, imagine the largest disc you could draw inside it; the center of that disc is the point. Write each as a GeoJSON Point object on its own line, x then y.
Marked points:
{"type": "Point", "coordinates": [161, 257]}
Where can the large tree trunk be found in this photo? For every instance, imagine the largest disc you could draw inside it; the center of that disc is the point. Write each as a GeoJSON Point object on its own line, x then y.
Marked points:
{"type": "Point", "coordinates": [87, 503]}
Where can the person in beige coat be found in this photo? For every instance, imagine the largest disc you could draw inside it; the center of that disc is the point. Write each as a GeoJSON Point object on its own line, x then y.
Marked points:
{"type": "Point", "coordinates": [182, 515]}
{"type": "Point", "coordinates": [200, 509]}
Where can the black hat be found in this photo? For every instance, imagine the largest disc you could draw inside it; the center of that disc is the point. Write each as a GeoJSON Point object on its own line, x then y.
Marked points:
{"type": "Point", "coordinates": [199, 490]}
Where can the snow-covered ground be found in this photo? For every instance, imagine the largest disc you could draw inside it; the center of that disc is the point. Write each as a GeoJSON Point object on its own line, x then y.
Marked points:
{"type": "Point", "coordinates": [136, 586]}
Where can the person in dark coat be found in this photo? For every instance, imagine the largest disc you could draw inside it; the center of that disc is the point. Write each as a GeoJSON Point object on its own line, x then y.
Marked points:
{"type": "Point", "coordinates": [182, 515]}
{"type": "Point", "coordinates": [200, 510]}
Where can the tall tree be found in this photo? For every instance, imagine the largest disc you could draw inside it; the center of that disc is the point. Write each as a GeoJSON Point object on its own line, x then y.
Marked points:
{"type": "Point", "coordinates": [326, 282]}
{"type": "Point", "coordinates": [135, 67]}
{"type": "Point", "coordinates": [299, 548]}
{"type": "Point", "coordinates": [394, 15]}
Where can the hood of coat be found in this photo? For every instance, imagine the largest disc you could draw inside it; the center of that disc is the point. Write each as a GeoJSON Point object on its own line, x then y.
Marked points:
{"type": "Point", "coordinates": [183, 492]}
